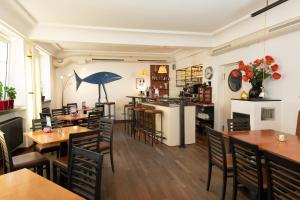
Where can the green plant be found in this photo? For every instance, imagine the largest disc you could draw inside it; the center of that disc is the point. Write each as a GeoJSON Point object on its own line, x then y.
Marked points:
{"type": "Point", "coordinates": [11, 92]}
{"type": "Point", "coordinates": [1, 90]}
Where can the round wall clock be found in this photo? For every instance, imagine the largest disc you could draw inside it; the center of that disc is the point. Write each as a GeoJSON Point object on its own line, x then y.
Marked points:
{"type": "Point", "coordinates": [209, 72]}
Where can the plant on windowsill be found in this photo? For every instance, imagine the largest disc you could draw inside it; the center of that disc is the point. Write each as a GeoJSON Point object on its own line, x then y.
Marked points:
{"type": "Point", "coordinates": [11, 93]}
{"type": "Point", "coordinates": [3, 103]}
{"type": "Point", "coordinates": [255, 72]}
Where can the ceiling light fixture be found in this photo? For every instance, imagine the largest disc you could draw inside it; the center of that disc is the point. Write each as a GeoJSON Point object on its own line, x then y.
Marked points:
{"type": "Point", "coordinates": [162, 69]}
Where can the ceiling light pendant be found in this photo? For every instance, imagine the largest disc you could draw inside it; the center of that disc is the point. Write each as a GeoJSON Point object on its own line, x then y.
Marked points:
{"type": "Point", "coordinates": [162, 69]}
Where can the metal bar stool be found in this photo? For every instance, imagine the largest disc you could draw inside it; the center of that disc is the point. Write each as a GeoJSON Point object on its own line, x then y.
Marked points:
{"type": "Point", "coordinates": [109, 105]}
{"type": "Point", "coordinates": [126, 116]}
{"type": "Point", "coordinates": [139, 122]}
{"type": "Point", "coordinates": [150, 127]}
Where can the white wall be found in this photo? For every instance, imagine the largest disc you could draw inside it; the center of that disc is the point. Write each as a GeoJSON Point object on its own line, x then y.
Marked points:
{"type": "Point", "coordinates": [285, 50]}
{"type": "Point", "coordinates": [116, 91]}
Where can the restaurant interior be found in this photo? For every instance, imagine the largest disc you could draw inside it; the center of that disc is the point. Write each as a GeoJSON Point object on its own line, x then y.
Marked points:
{"type": "Point", "coordinates": [149, 99]}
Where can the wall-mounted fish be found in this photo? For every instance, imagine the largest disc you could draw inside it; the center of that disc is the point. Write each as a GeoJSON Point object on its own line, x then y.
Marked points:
{"type": "Point", "coordinates": [99, 78]}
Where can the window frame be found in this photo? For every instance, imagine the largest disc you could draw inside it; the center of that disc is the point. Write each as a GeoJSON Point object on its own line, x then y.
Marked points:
{"type": "Point", "coordinates": [7, 41]}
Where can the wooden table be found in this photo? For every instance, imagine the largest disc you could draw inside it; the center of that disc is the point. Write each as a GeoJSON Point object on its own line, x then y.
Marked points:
{"type": "Point", "coordinates": [57, 135]}
{"type": "Point", "coordinates": [26, 185]}
{"type": "Point", "coordinates": [267, 141]}
{"type": "Point", "coordinates": [71, 118]}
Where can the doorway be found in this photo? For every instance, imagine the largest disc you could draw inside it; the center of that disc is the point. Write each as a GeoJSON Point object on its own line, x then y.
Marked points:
{"type": "Point", "coordinates": [228, 93]}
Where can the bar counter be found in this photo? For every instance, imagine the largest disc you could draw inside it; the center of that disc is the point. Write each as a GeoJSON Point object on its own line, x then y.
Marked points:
{"type": "Point", "coordinates": [171, 122]}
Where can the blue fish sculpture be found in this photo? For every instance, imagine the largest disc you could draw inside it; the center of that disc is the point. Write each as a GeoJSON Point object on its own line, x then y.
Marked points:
{"type": "Point", "coordinates": [99, 78]}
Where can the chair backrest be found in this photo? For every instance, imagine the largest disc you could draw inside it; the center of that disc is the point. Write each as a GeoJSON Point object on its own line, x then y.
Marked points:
{"type": "Point", "coordinates": [94, 120]}
{"type": "Point", "coordinates": [6, 153]}
{"type": "Point", "coordinates": [46, 110]}
{"type": "Point", "coordinates": [216, 148]}
{"type": "Point", "coordinates": [44, 115]}
{"type": "Point", "coordinates": [238, 124]}
{"type": "Point", "coordinates": [89, 140]}
{"type": "Point", "coordinates": [84, 173]}
{"type": "Point", "coordinates": [56, 112]}
{"type": "Point", "coordinates": [37, 124]}
{"type": "Point", "coordinates": [283, 177]}
{"type": "Point", "coordinates": [106, 129]}
{"type": "Point", "coordinates": [247, 164]}
{"type": "Point", "coordinates": [54, 123]}
{"type": "Point", "coordinates": [67, 110]}
{"type": "Point", "coordinates": [298, 125]}
{"type": "Point", "coordinates": [72, 105]}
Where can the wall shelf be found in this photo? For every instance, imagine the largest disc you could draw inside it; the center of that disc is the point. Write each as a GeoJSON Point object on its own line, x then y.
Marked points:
{"type": "Point", "coordinates": [189, 76]}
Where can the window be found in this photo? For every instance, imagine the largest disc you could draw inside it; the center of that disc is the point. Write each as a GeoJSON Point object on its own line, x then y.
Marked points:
{"type": "Point", "coordinates": [45, 74]}
{"type": "Point", "coordinates": [3, 62]}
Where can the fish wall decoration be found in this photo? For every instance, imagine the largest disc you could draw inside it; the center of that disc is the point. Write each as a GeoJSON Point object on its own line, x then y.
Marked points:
{"type": "Point", "coordinates": [99, 78]}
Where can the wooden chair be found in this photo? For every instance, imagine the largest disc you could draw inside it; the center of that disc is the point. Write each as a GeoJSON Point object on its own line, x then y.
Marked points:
{"type": "Point", "coordinates": [45, 148]}
{"type": "Point", "coordinates": [283, 177]}
{"type": "Point", "coordinates": [46, 110]}
{"type": "Point", "coordinates": [56, 112]}
{"type": "Point", "coordinates": [72, 105]}
{"type": "Point", "coordinates": [217, 157]}
{"type": "Point", "coordinates": [106, 144]}
{"type": "Point", "coordinates": [238, 124]}
{"type": "Point", "coordinates": [93, 120]}
{"type": "Point", "coordinates": [89, 140]}
{"type": "Point", "coordinates": [44, 115]}
{"type": "Point", "coordinates": [298, 125]}
{"type": "Point", "coordinates": [67, 110]}
{"type": "Point", "coordinates": [32, 160]}
{"type": "Point", "coordinates": [247, 168]}
{"type": "Point", "coordinates": [85, 171]}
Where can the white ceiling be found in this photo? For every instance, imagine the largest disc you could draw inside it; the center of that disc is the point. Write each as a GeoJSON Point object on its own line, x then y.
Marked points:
{"type": "Point", "coordinates": [202, 16]}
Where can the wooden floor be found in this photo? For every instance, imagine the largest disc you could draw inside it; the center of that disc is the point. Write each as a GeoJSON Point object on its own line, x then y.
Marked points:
{"type": "Point", "coordinates": [144, 172]}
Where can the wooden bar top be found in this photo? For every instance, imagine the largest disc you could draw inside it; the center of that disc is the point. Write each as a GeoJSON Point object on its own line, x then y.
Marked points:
{"type": "Point", "coordinates": [267, 140]}
{"type": "Point", "coordinates": [26, 185]}
{"type": "Point", "coordinates": [57, 135]}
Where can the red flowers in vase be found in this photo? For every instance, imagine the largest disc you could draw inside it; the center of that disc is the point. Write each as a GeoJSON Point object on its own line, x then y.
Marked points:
{"type": "Point", "coordinates": [259, 70]}
{"type": "Point", "coordinates": [255, 72]}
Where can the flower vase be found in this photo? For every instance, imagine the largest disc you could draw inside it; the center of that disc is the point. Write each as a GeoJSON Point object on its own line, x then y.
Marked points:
{"type": "Point", "coordinates": [255, 90]}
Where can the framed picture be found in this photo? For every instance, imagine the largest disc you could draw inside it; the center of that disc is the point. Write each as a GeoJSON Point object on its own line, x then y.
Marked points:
{"type": "Point", "coordinates": [139, 82]}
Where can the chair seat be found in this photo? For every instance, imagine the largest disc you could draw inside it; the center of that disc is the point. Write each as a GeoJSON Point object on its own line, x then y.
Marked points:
{"type": "Point", "coordinates": [28, 160]}
{"type": "Point", "coordinates": [47, 147]}
{"type": "Point", "coordinates": [61, 162]}
{"type": "Point", "coordinates": [104, 145]}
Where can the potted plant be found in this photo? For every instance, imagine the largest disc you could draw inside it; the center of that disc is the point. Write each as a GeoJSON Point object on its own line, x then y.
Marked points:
{"type": "Point", "coordinates": [255, 72]}
{"type": "Point", "coordinates": [3, 103]}
{"type": "Point", "coordinates": [1, 96]}
{"type": "Point", "coordinates": [11, 93]}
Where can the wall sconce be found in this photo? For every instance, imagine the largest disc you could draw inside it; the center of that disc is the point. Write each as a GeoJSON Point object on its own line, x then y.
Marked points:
{"type": "Point", "coordinates": [143, 73]}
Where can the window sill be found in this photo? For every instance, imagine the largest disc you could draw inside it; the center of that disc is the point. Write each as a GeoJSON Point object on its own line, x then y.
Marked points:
{"type": "Point", "coordinates": [16, 109]}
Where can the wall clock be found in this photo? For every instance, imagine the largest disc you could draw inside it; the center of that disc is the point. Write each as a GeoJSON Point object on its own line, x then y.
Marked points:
{"type": "Point", "coordinates": [209, 72]}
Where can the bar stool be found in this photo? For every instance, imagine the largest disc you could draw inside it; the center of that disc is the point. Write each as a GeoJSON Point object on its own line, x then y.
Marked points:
{"type": "Point", "coordinates": [109, 105]}
{"type": "Point", "coordinates": [150, 126]}
{"type": "Point", "coordinates": [139, 121]}
{"type": "Point", "coordinates": [126, 116]}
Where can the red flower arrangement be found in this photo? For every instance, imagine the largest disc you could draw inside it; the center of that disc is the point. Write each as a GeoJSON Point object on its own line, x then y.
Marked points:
{"type": "Point", "coordinates": [255, 72]}
{"type": "Point", "coordinates": [258, 70]}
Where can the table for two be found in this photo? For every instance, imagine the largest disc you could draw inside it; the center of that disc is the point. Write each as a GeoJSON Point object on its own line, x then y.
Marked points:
{"type": "Point", "coordinates": [57, 135]}
{"type": "Point", "coordinates": [267, 140]}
